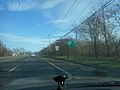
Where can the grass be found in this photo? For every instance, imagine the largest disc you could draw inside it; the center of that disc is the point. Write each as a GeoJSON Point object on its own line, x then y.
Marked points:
{"type": "Point", "coordinates": [109, 63]}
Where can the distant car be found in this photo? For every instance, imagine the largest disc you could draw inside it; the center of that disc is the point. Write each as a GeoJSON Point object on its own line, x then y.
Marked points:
{"type": "Point", "coordinates": [33, 55]}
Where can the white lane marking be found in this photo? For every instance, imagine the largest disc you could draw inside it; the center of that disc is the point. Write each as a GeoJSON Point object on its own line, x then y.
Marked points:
{"type": "Point", "coordinates": [58, 68]}
{"type": "Point", "coordinates": [12, 68]}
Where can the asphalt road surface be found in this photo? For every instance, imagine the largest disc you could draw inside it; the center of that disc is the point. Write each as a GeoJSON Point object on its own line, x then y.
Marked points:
{"type": "Point", "coordinates": [24, 70]}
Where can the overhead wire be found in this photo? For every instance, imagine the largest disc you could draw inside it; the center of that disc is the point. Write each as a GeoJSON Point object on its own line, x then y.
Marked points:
{"type": "Point", "coordinates": [74, 7]}
{"type": "Point", "coordinates": [68, 13]}
{"type": "Point", "coordinates": [106, 4]}
{"type": "Point", "coordinates": [79, 15]}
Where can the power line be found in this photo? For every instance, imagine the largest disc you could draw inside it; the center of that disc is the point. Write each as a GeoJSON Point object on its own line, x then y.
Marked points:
{"type": "Point", "coordinates": [68, 13]}
{"type": "Point", "coordinates": [106, 4]}
{"type": "Point", "coordinates": [80, 14]}
{"type": "Point", "coordinates": [74, 8]}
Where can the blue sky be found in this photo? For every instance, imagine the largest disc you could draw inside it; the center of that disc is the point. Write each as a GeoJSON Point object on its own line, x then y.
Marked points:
{"type": "Point", "coordinates": [27, 23]}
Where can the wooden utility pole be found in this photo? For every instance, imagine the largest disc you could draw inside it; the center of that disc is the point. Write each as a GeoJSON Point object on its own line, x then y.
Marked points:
{"type": "Point", "coordinates": [1, 47]}
{"type": "Point", "coordinates": [49, 38]}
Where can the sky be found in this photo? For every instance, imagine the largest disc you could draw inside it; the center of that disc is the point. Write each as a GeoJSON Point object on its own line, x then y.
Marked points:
{"type": "Point", "coordinates": [27, 23]}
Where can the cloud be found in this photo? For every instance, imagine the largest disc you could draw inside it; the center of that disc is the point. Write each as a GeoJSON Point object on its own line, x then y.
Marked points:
{"type": "Point", "coordinates": [29, 43]}
{"type": "Point", "coordinates": [25, 40]}
{"type": "Point", "coordinates": [50, 4]}
{"type": "Point", "coordinates": [25, 5]}
{"type": "Point", "coordinates": [21, 6]}
{"type": "Point", "coordinates": [58, 21]}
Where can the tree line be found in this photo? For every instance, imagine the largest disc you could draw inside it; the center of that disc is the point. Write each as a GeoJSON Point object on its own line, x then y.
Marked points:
{"type": "Point", "coordinates": [4, 51]}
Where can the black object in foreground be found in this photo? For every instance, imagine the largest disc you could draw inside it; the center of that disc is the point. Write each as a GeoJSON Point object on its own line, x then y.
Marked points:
{"type": "Point", "coordinates": [61, 81]}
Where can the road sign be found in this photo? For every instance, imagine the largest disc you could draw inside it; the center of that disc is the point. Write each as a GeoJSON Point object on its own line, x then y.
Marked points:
{"type": "Point", "coordinates": [74, 44]}
{"type": "Point", "coordinates": [57, 48]}
{"type": "Point", "coordinates": [70, 43]}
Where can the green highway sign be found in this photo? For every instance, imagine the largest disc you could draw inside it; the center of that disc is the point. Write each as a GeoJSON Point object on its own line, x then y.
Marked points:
{"type": "Point", "coordinates": [74, 44]}
{"type": "Point", "coordinates": [70, 43]}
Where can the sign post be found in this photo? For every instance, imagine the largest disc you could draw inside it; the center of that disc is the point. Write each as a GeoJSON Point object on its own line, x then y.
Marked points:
{"type": "Point", "coordinates": [67, 52]}
{"type": "Point", "coordinates": [57, 50]}
{"type": "Point", "coordinates": [70, 43]}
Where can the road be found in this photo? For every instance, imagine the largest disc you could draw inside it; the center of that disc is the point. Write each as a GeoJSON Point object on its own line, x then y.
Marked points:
{"type": "Point", "coordinates": [24, 70]}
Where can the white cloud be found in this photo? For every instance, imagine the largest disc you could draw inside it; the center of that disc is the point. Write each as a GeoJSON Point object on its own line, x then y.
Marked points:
{"type": "Point", "coordinates": [50, 4]}
{"type": "Point", "coordinates": [22, 39]}
{"type": "Point", "coordinates": [58, 21]}
{"type": "Point", "coordinates": [29, 43]}
{"type": "Point", "coordinates": [21, 6]}
{"type": "Point", "coordinates": [29, 5]}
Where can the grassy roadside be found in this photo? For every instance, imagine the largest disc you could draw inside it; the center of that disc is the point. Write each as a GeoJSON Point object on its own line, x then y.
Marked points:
{"type": "Point", "coordinates": [108, 63]}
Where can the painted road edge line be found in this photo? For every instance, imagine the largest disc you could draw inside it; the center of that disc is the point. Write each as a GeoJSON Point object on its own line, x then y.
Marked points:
{"type": "Point", "coordinates": [58, 68]}
{"type": "Point", "coordinates": [12, 69]}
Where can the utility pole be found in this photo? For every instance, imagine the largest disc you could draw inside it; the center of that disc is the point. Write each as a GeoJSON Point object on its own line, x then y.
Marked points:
{"type": "Point", "coordinates": [49, 45]}
{"type": "Point", "coordinates": [49, 38]}
{"type": "Point", "coordinates": [105, 32]}
{"type": "Point", "coordinates": [1, 46]}
{"type": "Point", "coordinates": [75, 50]}
{"type": "Point", "coordinates": [67, 52]}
